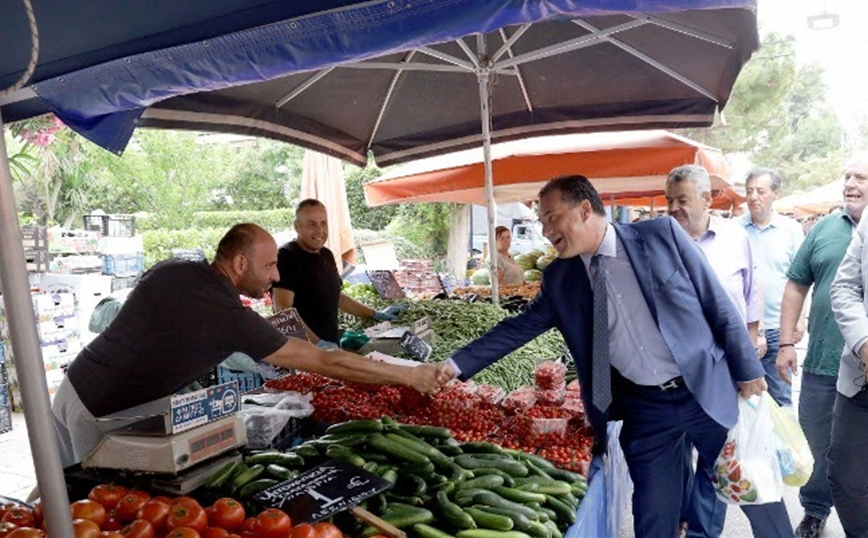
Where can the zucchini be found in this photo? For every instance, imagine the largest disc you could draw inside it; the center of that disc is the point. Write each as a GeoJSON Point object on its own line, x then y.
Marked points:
{"type": "Point", "coordinates": [485, 482]}
{"type": "Point", "coordinates": [288, 460]}
{"type": "Point", "coordinates": [222, 475]}
{"type": "Point", "coordinates": [255, 486]}
{"type": "Point", "coordinates": [453, 513]}
{"type": "Point", "coordinates": [356, 426]}
{"type": "Point", "coordinates": [487, 520]}
{"type": "Point", "coordinates": [516, 495]}
{"type": "Point", "coordinates": [249, 475]}
{"type": "Point", "coordinates": [486, 533]}
{"type": "Point", "coordinates": [379, 442]}
{"type": "Point", "coordinates": [427, 531]}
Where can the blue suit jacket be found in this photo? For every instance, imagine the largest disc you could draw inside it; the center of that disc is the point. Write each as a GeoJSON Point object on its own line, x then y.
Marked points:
{"type": "Point", "coordinates": [698, 321]}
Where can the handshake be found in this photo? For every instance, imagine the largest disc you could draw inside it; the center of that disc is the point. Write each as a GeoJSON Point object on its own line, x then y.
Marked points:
{"type": "Point", "coordinates": [429, 378]}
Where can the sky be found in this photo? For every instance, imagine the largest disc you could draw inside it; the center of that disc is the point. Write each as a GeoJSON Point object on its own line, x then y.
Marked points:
{"type": "Point", "coordinates": [841, 50]}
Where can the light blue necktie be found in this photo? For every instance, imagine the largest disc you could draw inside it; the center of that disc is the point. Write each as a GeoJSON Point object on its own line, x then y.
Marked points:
{"type": "Point", "coordinates": [601, 375]}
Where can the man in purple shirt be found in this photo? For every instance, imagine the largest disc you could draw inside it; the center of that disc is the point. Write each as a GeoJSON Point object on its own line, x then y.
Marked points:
{"type": "Point", "coordinates": [727, 247]}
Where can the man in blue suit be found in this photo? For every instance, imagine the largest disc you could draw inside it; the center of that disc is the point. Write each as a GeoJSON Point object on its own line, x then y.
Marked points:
{"type": "Point", "coordinates": [670, 355]}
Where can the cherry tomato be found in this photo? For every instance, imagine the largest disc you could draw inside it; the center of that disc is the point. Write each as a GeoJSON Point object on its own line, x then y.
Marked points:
{"type": "Point", "coordinates": [107, 495]}
{"type": "Point", "coordinates": [226, 513]}
{"type": "Point", "coordinates": [214, 532]}
{"type": "Point", "coordinates": [304, 531]}
{"type": "Point", "coordinates": [156, 512]}
{"type": "Point", "coordinates": [181, 515]}
{"type": "Point", "coordinates": [88, 509]}
{"type": "Point", "coordinates": [274, 523]}
{"type": "Point", "coordinates": [328, 530]}
{"type": "Point", "coordinates": [129, 506]}
{"type": "Point", "coordinates": [183, 532]}
{"type": "Point", "coordinates": [85, 528]}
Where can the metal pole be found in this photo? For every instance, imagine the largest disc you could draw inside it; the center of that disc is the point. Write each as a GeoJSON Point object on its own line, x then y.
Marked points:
{"type": "Point", "coordinates": [28, 359]}
{"type": "Point", "coordinates": [483, 74]}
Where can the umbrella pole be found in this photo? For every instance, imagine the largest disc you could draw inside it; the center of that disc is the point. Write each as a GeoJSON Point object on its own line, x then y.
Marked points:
{"type": "Point", "coordinates": [28, 359]}
{"type": "Point", "coordinates": [483, 73]}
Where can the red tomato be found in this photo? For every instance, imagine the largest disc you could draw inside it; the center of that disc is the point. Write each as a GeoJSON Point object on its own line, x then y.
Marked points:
{"type": "Point", "coordinates": [274, 523]}
{"type": "Point", "coordinates": [110, 534]}
{"type": "Point", "coordinates": [20, 516]}
{"type": "Point", "coordinates": [38, 515]}
{"type": "Point", "coordinates": [6, 528]}
{"type": "Point", "coordinates": [88, 509]}
{"type": "Point", "coordinates": [183, 532]}
{"type": "Point", "coordinates": [226, 513]}
{"type": "Point", "coordinates": [156, 512]}
{"type": "Point", "coordinates": [185, 501]}
{"type": "Point", "coordinates": [85, 528]}
{"type": "Point", "coordinates": [250, 526]}
{"type": "Point", "coordinates": [129, 506]}
{"type": "Point", "coordinates": [304, 531]}
{"type": "Point", "coordinates": [107, 495]}
{"type": "Point", "coordinates": [328, 530]}
{"type": "Point", "coordinates": [112, 523]}
{"type": "Point", "coordinates": [181, 515]}
{"type": "Point", "coordinates": [26, 532]}
{"type": "Point", "coordinates": [162, 499]}
{"type": "Point", "coordinates": [214, 532]}
{"type": "Point", "coordinates": [140, 493]}
{"type": "Point", "coordinates": [139, 529]}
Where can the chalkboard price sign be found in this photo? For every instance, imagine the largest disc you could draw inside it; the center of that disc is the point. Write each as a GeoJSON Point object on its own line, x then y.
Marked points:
{"type": "Point", "coordinates": [386, 284]}
{"type": "Point", "coordinates": [327, 489]}
{"type": "Point", "coordinates": [289, 323]}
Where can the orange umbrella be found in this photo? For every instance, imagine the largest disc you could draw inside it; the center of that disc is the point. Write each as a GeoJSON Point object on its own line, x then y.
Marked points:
{"type": "Point", "coordinates": [630, 165]}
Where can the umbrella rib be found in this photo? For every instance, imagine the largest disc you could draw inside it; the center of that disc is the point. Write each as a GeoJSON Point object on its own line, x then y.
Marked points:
{"type": "Point", "coordinates": [508, 43]}
{"type": "Point", "coordinates": [388, 99]}
{"type": "Point", "coordinates": [650, 61]}
{"type": "Point", "coordinates": [687, 30]}
{"type": "Point", "coordinates": [302, 87]}
{"type": "Point", "coordinates": [406, 67]}
{"type": "Point", "coordinates": [448, 58]}
{"type": "Point", "coordinates": [572, 44]}
{"type": "Point", "coordinates": [468, 51]}
{"type": "Point", "coordinates": [521, 84]}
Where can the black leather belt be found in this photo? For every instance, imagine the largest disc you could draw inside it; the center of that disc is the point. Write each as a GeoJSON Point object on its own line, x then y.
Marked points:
{"type": "Point", "coordinates": [673, 383]}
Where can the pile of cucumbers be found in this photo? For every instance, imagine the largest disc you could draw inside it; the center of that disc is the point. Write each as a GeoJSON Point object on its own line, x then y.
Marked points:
{"type": "Point", "coordinates": [441, 489]}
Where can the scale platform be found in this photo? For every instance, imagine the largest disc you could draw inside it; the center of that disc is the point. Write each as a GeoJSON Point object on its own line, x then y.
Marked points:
{"type": "Point", "coordinates": [135, 449]}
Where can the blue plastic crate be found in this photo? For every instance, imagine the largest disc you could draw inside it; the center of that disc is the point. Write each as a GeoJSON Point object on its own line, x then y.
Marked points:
{"type": "Point", "coordinates": [122, 265]}
{"type": "Point", "coordinates": [247, 381]}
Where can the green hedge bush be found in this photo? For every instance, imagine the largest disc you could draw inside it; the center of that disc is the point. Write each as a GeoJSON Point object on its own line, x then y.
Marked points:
{"type": "Point", "coordinates": [158, 244]}
{"type": "Point", "coordinates": [270, 219]}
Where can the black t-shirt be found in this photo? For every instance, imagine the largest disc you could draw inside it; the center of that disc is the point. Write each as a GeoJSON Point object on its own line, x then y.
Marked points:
{"type": "Point", "coordinates": [314, 279]}
{"type": "Point", "coordinates": [181, 320]}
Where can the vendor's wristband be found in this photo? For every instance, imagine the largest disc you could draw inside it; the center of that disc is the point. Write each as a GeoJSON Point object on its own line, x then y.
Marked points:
{"type": "Point", "coordinates": [786, 345]}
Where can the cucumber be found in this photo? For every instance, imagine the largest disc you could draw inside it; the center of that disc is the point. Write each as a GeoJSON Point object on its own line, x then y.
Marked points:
{"type": "Point", "coordinates": [450, 450]}
{"type": "Point", "coordinates": [343, 453]}
{"type": "Point", "coordinates": [425, 470]}
{"type": "Point", "coordinates": [276, 471]}
{"type": "Point", "coordinates": [379, 442]}
{"type": "Point", "coordinates": [288, 460]}
{"type": "Point", "coordinates": [407, 500]}
{"type": "Point", "coordinates": [305, 450]}
{"type": "Point", "coordinates": [453, 513]}
{"type": "Point", "coordinates": [255, 486]}
{"type": "Point", "coordinates": [508, 465]}
{"type": "Point", "coordinates": [436, 480]}
{"type": "Point", "coordinates": [485, 482]}
{"type": "Point", "coordinates": [491, 498]}
{"type": "Point", "coordinates": [516, 495]}
{"type": "Point", "coordinates": [466, 497]}
{"type": "Point", "coordinates": [356, 426]}
{"type": "Point", "coordinates": [405, 516]}
{"type": "Point", "coordinates": [426, 531]}
{"type": "Point", "coordinates": [378, 503]}
{"type": "Point", "coordinates": [532, 487]}
{"type": "Point", "coordinates": [519, 521]}
{"type": "Point", "coordinates": [508, 481]}
{"type": "Point", "coordinates": [533, 469]}
{"type": "Point", "coordinates": [564, 512]}
{"type": "Point", "coordinates": [566, 476]}
{"type": "Point", "coordinates": [410, 485]}
{"type": "Point", "coordinates": [249, 475]}
{"type": "Point", "coordinates": [539, 530]}
{"type": "Point", "coordinates": [554, 487]}
{"type": "Point", "coordinates": [420, 446]}
{"type": "Point", "coordinates": [391, 475]}
{"type": "Point", "coordinates": [545, 514]}
{"type": "Point", "coordinates": [371, 467]}
{"type": "Point", "coordinates": [472, 447]}
{"type": "Point", "coordinates": [222, 475]}
{"type": "Point", "coordinates": [539, 461]}
{"type": "Point", "coordinates": [487, 520]}
{"type": "Point", "coordinates": [556, 532]}
{"type": "Point", "coordinates": [486, 533]}
{"type": "Point", "coordinates": [460, 474]}
{"type": "Point", "coordinates": [426, 431]}
{"type": "Point", "coordinates": [570, 500]}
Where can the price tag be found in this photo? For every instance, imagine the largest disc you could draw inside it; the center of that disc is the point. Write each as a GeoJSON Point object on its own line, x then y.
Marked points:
{"type": "Point", "coordinates": [289, 323]}
{"type": "Point", "coordinates": [329, 488]}
{"type": "Point", "coordinates": [415, 346]}
{"type": "Point", "coordinates": [386, 284]}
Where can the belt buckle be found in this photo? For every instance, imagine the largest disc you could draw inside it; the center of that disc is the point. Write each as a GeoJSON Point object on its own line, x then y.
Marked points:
{"type": "Point", "coordinates": [669, 385]}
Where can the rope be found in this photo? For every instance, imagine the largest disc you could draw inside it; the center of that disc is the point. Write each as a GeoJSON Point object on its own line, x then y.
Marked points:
{"type": "Point", "coordinates": [34, 51]}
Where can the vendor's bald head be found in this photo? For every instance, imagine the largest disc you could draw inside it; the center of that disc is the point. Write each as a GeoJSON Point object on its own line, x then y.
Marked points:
{"type": "Point", "coordinates": [247, 254]}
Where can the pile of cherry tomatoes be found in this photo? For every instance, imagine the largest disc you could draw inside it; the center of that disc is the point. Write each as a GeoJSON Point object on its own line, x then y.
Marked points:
{"type": "Point", "coordinates": [113, 511]}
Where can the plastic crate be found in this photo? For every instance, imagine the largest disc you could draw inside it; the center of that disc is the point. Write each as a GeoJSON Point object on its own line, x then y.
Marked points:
{"type": "Point", "coordinates": [123, 264]}
{"type": "Point", "coordinates": [111, 225]}
{"type": "Point", "coordinates": [5, 419]}
{"type": "Point", "coordinates": [123, 282]}
{"type": "Point", "coordinates": [247, 381]}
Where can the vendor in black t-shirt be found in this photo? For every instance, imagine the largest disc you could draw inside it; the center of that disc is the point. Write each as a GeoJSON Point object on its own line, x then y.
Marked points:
{"type": "Point", "coordinates": [309, 279]}
{"type": "Point", "coordinates": [179, 322]}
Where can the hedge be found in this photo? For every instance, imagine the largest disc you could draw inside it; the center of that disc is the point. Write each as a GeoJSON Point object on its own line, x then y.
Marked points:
{"type": "Point", "coordinates": [270, 219]}
{"type": "Point", "coordinates": [158, 244]}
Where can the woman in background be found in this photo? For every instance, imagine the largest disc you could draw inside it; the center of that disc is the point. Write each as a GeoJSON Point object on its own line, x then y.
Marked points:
{"type": "Point", "coordinates": [508, 271]}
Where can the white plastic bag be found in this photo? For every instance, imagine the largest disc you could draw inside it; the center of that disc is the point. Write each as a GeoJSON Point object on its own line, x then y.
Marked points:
{"type": "Point", "coordinates": [794, 454]}
{"type": "Point", "coordinates": [747, 470]}
{"type": "Point", "coordinates": [265, 419]}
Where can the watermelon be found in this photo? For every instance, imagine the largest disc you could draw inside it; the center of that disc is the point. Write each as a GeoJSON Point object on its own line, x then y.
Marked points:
{"type": "Point", "coordinates": [544, 262]}
{"type": "Point", "coordinates": [481, 278]}
{"type": "Point", "coordinates": [533, 275]}
{"type": "Point", "coordinates": [535, 254]}
{"type": "Point", "coordinates": [525, 261]}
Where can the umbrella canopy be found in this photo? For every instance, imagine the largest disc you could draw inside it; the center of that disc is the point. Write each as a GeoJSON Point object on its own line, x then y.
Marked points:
{"type": "Point", "coordinates": [819, 201]}
{"type": "Point", "coordinates": [322, 179]}
{"type": "Point", "coordinates": [629, 166]}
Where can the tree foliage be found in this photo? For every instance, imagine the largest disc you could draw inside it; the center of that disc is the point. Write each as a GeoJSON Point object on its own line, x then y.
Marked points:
{"type": "Point", "coordinates": [362, 216]}
{"type": "Point", "coordinates": [425, 225]}
{"type": "Point", "coordinates": [266, 175]}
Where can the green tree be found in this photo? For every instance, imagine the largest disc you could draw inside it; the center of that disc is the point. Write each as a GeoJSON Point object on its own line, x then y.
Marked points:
{"type": "Point", "coordinates": [266, 175]}
{"type": "Point", "coordinates": [424, 225]}
{"type": "Point", "coordinates": [364, 217]}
